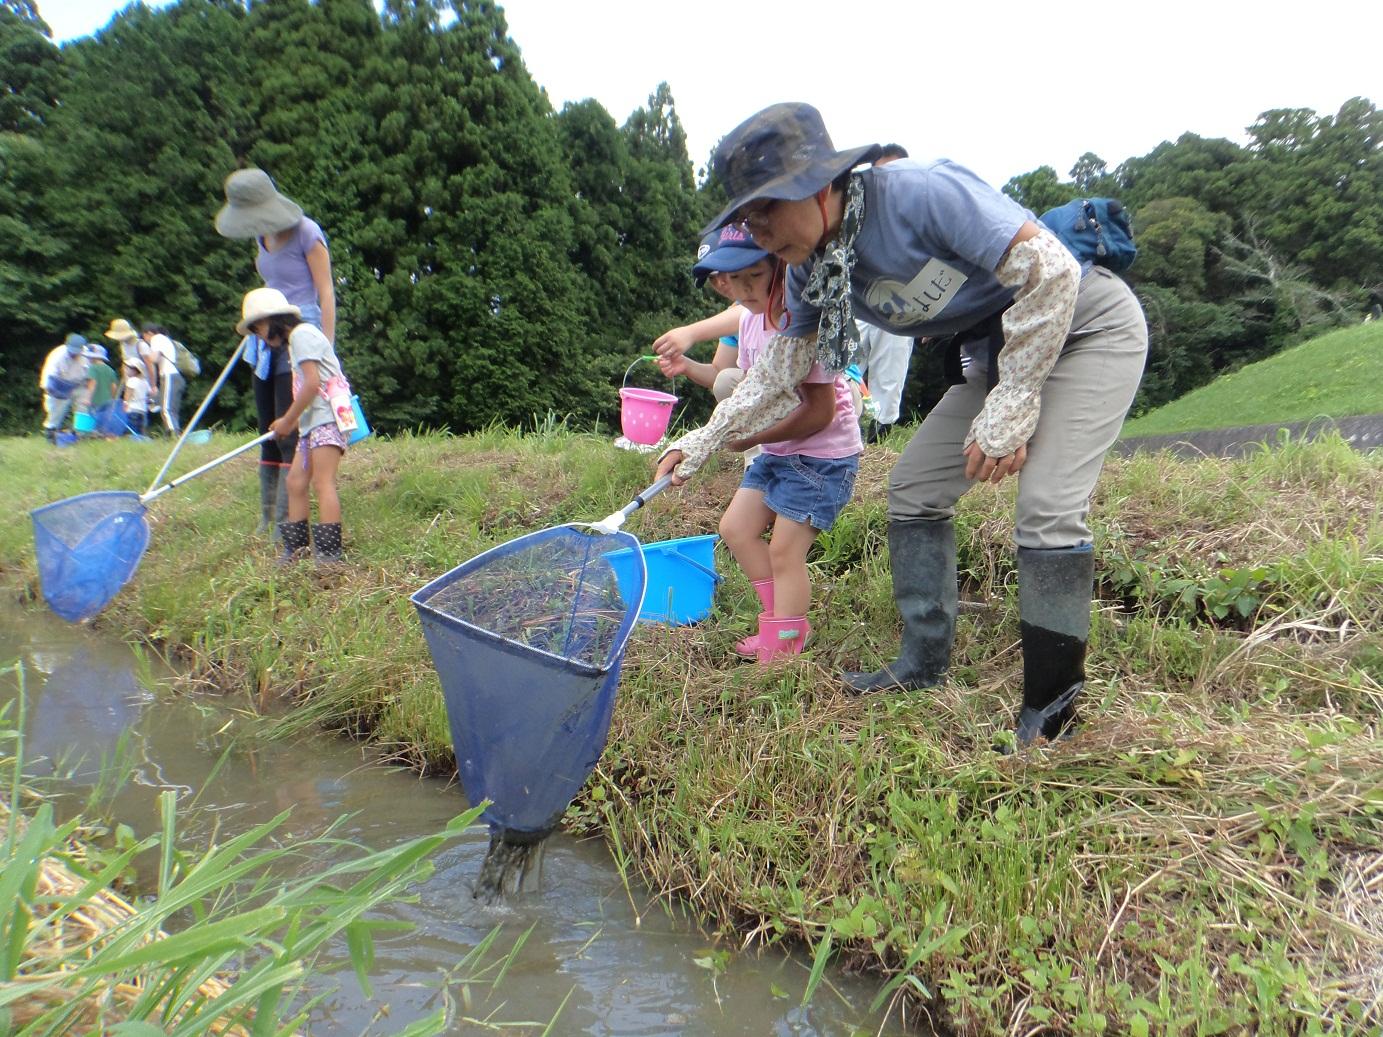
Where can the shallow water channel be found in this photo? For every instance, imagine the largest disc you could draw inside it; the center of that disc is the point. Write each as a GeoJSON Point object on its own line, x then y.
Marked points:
{"type": "Point", "coordinates": [622, 962]}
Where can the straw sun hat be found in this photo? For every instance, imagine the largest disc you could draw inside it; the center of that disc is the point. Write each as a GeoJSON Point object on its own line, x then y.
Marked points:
{"type": "Point", "coordinates": [254, 207]}
{"type": "Point", "coordinates": [261, 303]}
{"type": "Point", "coordinates": [121, 329]}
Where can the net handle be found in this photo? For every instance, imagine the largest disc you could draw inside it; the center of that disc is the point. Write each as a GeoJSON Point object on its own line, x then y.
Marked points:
{"type": "Point", "coordinates": [187, 430]}
{"type": "Point", "coordinates": [154, 494]}
{"type": "Point", "coordinates": [612, 523]}
{"type": "Point", "coordinates": [647, 495]}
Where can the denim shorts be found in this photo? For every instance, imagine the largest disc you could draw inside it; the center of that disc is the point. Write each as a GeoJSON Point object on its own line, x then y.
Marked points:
{"type": "Point", "coordinates": [805, 489]}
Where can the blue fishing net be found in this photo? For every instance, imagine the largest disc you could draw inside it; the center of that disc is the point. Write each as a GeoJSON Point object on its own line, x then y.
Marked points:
{"type": "Point", "coordinates": [88, 547]}
{"type": "Point", "coordinates": [527, 639]}
{"type": "Point", "coordinates": [110, 419]}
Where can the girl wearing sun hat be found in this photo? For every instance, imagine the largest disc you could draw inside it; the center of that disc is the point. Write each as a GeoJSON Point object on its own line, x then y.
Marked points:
{"type": "Point", "coordinates": [292, 257]}
{"type": "Point", "coordinates": [927, 249]}
{"type": "Point", "coordinates": [310, 419]}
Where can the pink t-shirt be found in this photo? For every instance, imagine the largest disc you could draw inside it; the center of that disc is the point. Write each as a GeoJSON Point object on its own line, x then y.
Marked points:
{"type": "Point", "coordinates": [841, 438]}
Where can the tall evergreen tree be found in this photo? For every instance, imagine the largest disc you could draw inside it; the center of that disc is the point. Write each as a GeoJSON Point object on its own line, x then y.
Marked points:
{"type": "Point", "coordinates": [30, 70]}
{"type": "Point", "coordinates": [465, 227]}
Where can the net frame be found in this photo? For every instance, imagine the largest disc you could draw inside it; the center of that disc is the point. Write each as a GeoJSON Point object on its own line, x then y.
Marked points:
{"type": "Point", "coordinates": [88, 547]}
{"type": "Point", "coordinates": [527, 802]}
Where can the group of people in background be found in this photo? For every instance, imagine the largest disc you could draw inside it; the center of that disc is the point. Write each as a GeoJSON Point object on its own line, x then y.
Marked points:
{"type": "Point", "coordinates": [80, 384]}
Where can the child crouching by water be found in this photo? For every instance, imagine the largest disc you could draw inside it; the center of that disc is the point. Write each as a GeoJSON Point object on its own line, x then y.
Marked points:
{"type": "Point", "coordinates": [805, 473]}
{"type": "Point", "coordinates": [318, 385]}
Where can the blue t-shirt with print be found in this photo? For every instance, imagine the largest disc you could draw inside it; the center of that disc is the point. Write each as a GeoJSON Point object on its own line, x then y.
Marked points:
{"type": "Point", "coordinates": [925, 256]}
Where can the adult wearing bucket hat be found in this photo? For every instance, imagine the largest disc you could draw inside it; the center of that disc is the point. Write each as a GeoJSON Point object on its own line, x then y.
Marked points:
{"type": "Point", "coordinates": [292, 257]}
{"type": "Point", "coordinates": [62, 377]}
{"type": "Point", "coordinates": [927, 249]}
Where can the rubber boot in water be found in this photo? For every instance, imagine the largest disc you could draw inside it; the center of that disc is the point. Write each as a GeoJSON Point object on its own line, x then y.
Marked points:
{"type": "Point", "coordinates": [295, 541]}
{"type": "Point", "coordinates": [922, 556]}
{"type": "Point", "coordinates": [748, 647]}
{"type": "Point", "coordinates": [326, 543]}
{"type": "Point", "coordinates": [1054, 589]}
{"type": "Point", "coordinates": [782, 635]}
{"type": "Point", "coordinates": [268, 496]}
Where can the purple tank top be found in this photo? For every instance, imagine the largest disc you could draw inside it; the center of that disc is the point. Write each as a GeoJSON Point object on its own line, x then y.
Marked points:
{"type": "Point", "coordinates": [287, 269]}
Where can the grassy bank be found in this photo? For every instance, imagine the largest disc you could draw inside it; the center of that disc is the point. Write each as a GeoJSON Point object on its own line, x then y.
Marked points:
{"type": "Point", "coordinates": [1333, 376]}
{"type": "Point", "coordinates": [1205, 856]}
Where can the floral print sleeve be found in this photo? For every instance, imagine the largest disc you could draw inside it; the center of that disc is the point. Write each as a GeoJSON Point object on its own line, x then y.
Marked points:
{"type": "Point", "coordinates": [1036, 325]}
{"type": "Point", "coordinates": [767, 395]}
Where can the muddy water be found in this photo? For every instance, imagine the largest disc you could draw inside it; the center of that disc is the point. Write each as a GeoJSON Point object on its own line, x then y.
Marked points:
{"type": "Point", "coordinates": [621, 962]}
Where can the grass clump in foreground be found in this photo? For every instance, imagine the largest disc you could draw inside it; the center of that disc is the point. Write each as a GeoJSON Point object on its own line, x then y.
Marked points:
{"type": "Point", "coordinates": [226, 943]}
{"type": "Point", "coordinates": [1333, 376]}
{"type": "Point", "coordinates": [1205, 855]}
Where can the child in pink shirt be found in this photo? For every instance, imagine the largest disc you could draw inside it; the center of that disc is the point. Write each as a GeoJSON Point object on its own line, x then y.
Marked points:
{"type": "Point", "coordinates": [806, 473]}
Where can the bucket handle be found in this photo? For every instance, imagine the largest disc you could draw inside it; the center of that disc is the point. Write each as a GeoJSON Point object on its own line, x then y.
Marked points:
{"type": "Point", "coordinates": [705, 569]}
{"type": "Point", "coordinates": [624, 383]}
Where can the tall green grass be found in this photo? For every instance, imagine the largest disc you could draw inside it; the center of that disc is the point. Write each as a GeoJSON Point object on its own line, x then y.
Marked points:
{"type": "Point", "coordinates": [228, 940]}
{"type": "Point", "coordinates": [1333, 376]}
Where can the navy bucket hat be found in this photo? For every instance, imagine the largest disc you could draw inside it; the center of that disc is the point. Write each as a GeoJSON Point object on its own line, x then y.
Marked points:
{"type": "Point", "coordinates": [723, 251]}
{"type": "Point", "coordinates": [782, 153]}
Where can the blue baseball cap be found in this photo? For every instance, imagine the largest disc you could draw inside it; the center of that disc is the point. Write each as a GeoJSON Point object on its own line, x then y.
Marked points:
{"type": "Point", "coordinates": [723, 251]}
{"type": "Point", "coordinates": [75, 343]}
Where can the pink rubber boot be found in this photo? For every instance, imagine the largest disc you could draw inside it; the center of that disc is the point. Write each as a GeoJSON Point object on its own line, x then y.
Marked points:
{"type": "Point", "coordinates": [782, 635]}
{"type": "Point", "coordinates": [749, 646]}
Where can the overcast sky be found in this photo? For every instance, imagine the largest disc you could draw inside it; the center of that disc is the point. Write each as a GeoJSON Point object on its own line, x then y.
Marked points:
{"type": "Point", "coordinates": [979, 82]}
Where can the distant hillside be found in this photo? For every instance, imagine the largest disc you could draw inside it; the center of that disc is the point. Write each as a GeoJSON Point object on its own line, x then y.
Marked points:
{"type": "Point", "coordinates": [1337, 375]}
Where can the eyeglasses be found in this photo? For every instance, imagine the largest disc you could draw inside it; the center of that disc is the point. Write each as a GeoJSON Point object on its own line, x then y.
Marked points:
{"type": "Point", "coordinates": [751, 219]}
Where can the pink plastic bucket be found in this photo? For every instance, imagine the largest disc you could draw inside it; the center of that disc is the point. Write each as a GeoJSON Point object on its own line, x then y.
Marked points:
{"type": "Point", "coordinates": [644, 414]}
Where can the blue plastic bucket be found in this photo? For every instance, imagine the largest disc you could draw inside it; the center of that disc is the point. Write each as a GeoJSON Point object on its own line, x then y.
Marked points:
{"type": "Point", "coordinates": [681, 579]}
{"type": "Point", "coordinates": [362, 427]}
{"type": "Point", "coordinates": [83, 422]}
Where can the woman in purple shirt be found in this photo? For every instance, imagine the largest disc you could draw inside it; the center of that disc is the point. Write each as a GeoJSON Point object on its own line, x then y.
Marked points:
{"type": "Point", "coordinates": [292, 257]}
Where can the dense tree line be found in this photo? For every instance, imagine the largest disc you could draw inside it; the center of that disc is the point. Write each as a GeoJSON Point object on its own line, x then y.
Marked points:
{"type": "Point", "coordinates": [497, 260]}
{"type": "Point", "coordinates": [1243, 249]}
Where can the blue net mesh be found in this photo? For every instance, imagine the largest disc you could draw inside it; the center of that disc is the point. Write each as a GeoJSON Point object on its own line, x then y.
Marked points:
{"type": "Point", "coordinates": [88, 547]}
{"type": "Point", "coordinates": [527, 640]}
{"type": "Point", "coordinates": [110, 419]}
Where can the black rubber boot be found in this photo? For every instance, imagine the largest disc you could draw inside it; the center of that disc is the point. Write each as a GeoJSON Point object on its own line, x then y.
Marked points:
{"type": "Point", "coordinates": [295, 541]}
{"type": "Point", "coordinates": [922, 555]}
{"type": "Point", "coordinates": [268, 497]}
{"type": "Point", "coordinates": [326, 542]}
{"type": "Point", "coordinates": [1054, 590]}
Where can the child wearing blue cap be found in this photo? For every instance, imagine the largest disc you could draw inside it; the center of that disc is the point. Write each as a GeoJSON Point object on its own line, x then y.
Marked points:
{"type": "Point", "coordinates": [722, 374]}
{"type": "Point", "coordinates": [806, 473]}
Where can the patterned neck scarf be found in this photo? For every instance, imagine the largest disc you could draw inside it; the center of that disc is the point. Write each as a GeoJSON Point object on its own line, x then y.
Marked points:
{"type": "Point", "coordinates": [828, 286]}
